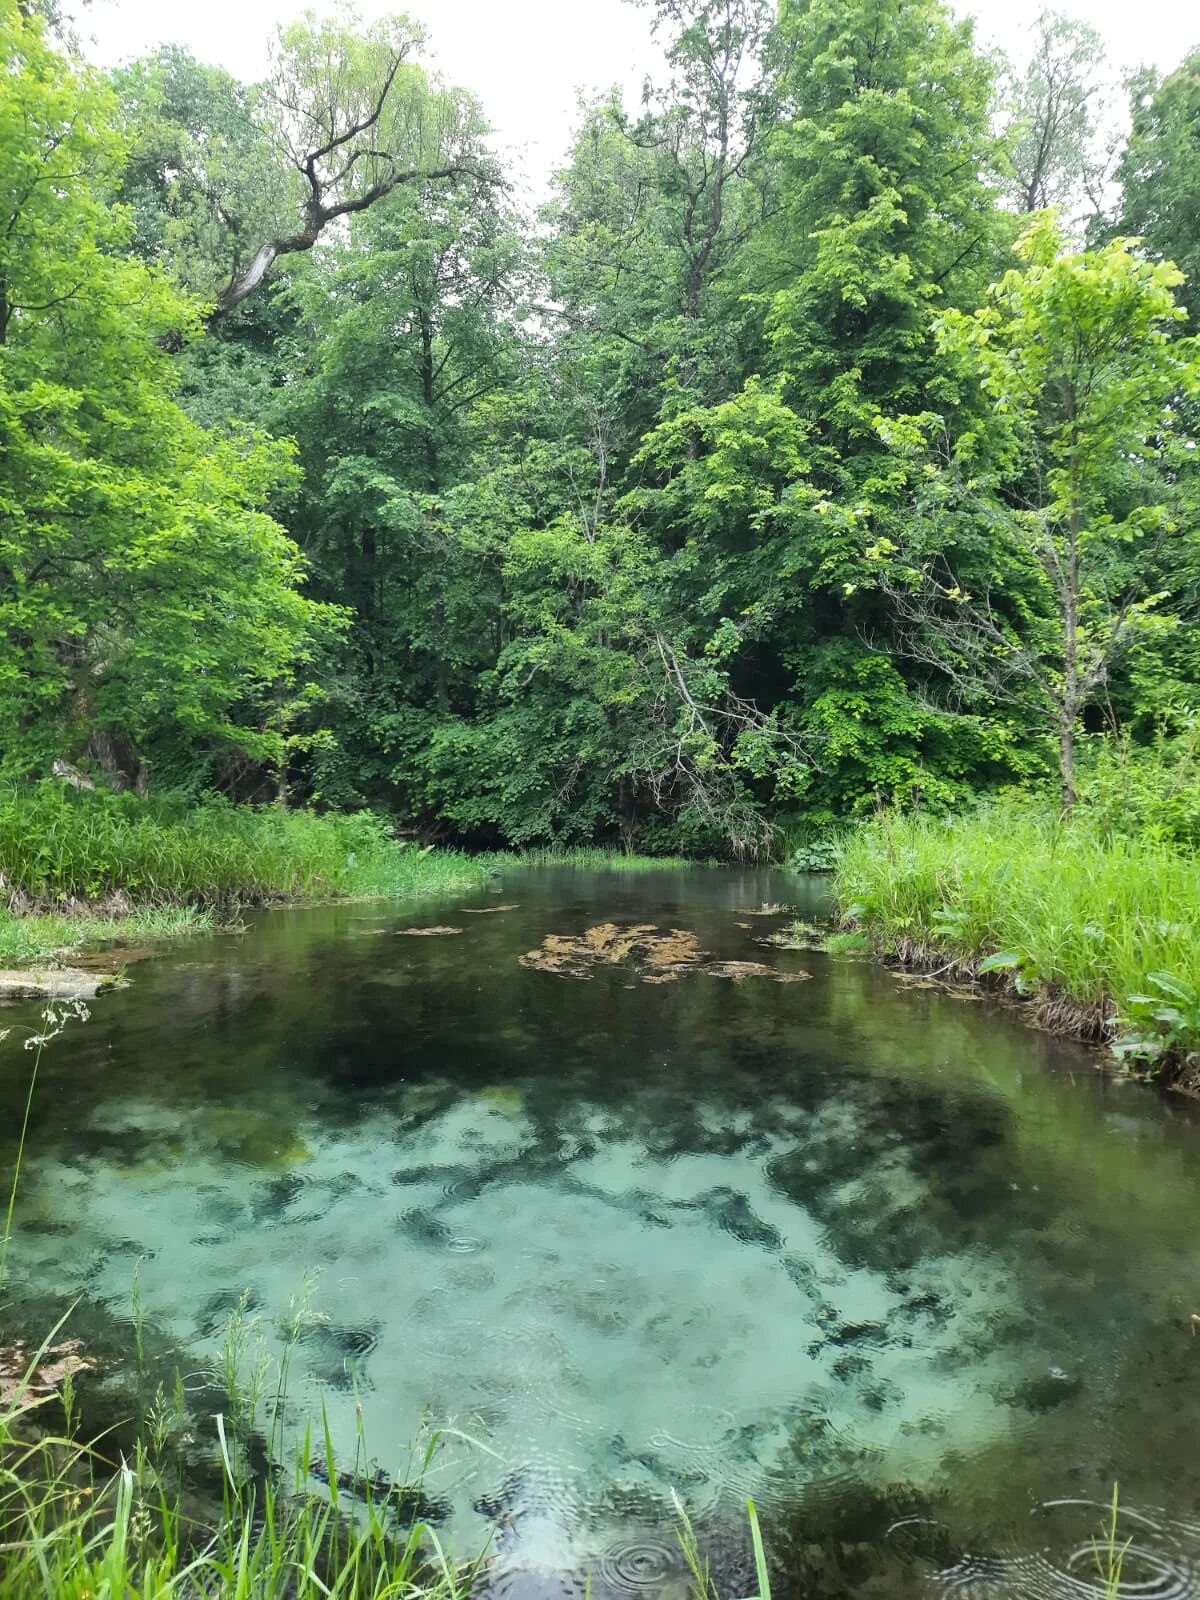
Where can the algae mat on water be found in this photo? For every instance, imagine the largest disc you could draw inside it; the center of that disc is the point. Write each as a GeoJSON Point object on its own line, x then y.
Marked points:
{"type": "Point", "coordinates": [656, 957]}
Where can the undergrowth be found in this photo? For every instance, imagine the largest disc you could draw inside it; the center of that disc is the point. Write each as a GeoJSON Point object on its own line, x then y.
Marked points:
{"type": "Point", "coordinates": [595, 859]}
{"type": "Point", "coordinates": [59, 845]}
{"type": "Point", "coordinates": [1101, 930]}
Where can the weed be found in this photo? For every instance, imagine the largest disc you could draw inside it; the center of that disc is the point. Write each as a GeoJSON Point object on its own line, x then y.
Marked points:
{"type": "Point", "coordinates": [1110, 1552]}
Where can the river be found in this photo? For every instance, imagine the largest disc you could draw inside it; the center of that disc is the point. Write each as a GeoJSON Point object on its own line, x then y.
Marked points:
{"type": "Point", "coordinates": [912, 1275]}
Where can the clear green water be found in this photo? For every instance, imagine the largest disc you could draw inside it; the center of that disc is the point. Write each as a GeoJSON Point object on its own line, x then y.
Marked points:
{"type": "Point", "coordinates": [915, 1277]}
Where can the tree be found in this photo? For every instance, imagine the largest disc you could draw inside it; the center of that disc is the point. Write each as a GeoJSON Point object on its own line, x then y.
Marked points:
{"type": "Point", "coordinates": [353, 118]}
{"type": "Point", "coordinates": [882, 182]}
{"type": "Point", "coordinates": [1159, 173]}
{"type": "Point", "coordinates": [202, 178]}
{"type": "Point", "coordinates": [887, 180]}
{"type": "Point", "coordinates": [402, 332]}
{"type": "Point", "coordinates": [1063, 462]}
{"type": "Point", "coordinates": [1056, 107]}
{"type": "Point", "coordinates": [246, 176]}
{"type": "Point", "coordinates": [143, 591]}
{"type": "Point", "coordinates": [704, 129]}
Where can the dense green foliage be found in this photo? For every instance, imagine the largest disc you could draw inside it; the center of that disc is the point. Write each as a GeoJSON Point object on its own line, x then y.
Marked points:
{"type": "Point", "coordinates": [778, 467]}
{"type": "Point", "coordinates": [145, 594]}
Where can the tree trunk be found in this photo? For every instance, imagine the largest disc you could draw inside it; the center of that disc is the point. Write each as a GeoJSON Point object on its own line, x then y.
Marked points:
{"type": "Point", "coordinates": [1066, 759]}
{"type": "Point", "coordinates": [627, 813]}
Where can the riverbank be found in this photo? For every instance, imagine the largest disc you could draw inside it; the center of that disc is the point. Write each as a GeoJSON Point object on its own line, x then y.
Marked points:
{"type": "Point", "coordinates": [86, 872]}
{"type": "Point", "coordinates": [1098, 933]}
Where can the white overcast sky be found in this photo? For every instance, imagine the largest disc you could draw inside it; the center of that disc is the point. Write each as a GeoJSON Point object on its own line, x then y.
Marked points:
{"type": "Point", "coordinates": [526, 59]}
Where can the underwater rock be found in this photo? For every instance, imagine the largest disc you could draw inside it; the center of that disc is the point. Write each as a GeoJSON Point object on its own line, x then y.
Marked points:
{"type": "Point", "coordinates": [113, 960]}
{"type": "Point", "coordinates": [1048, 1389]}
{"type": "Point", "coordinates": [61, 983]}
{"type": "Point", "coordinates": [53, 1367]}
{"type": "Point", "coordinates": [405, 1499]}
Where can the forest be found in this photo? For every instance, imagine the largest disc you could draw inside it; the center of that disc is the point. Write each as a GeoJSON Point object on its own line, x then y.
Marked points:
{"type": "Point", "coordinates": [825, 441]}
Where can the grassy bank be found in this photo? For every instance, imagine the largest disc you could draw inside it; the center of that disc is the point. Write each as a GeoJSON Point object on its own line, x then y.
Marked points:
{"type": "Point", "coordinates": [1100, 932]}
{"type": "Point", "coordinates": [47, 938]}
{"type": "Point", "coordinates": [80, 870]}
{"type": "Point", "coordinates": [58, 845]}
{"type": "Point", "coordinates": [589, 859]}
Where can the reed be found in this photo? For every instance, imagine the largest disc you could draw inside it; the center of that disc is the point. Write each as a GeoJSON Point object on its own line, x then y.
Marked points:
{"type": "Point", "coordinates": [74, 1523]}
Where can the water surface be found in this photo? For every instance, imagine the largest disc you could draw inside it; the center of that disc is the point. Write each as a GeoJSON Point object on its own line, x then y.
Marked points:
{"type": "Point", "coordinates": [910, 1274]}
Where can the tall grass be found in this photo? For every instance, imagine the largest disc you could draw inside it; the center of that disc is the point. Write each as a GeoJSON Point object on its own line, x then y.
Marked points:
{"type": "Point", "coordinates": [593, 858]}
{"type": "Point", "coordinates": [75, 1522]}
{"type": "Point", "coordinates": [29, 940]}
{"type": "Point", "coordinates": [1100, 929]}
{"type": "Point", "coordinates": [58, 845]}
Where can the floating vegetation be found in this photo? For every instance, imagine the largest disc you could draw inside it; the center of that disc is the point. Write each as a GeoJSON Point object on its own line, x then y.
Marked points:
{"type": "Point", "coordinates": [426, 933]}
{"type": "Point", "coordinates": [917, 980]}
{"type": "Point", "coordinates": [739, 971]}
{"type": "Point", "coordinates": [657, 957]}
{"type": "Point", "coordinates": [787, 939]}
{"type": "Point", "coordinates": [607, 944]}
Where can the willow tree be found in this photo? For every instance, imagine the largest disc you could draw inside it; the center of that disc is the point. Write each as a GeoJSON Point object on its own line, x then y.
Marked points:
{"type": "Point", "coordinates": [249, 175]}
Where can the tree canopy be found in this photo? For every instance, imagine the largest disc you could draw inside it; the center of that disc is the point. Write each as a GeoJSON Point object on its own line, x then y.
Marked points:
{"type": "Point", "coordinates": [792, 457]}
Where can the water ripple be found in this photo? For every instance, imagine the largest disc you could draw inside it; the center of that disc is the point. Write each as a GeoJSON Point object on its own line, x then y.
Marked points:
{"type": "Point", "coordinates": [638, 1564]}
{"type": "Point", "coordinates": [1155, 1564]}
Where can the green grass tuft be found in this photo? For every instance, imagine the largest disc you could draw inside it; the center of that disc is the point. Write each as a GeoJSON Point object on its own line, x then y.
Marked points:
{"type": "Point", "coordinates": [594, 859]}
{"type": "Point", "coordinates": [36, 940]}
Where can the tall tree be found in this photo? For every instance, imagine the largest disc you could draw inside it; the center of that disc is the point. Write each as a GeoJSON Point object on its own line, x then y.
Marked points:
{"type": "Point", "coordinates": [883, 175]}
{"type": "Point", "coordinates": [1159, 172]}
{"type": "Point", "coordinates": [1066, 467]}
{"type": "Point", "coordinates": [402, 332]}
{"type": "Point", "coordinates": [1056, 113]}
{"type": "Point", "coordinates": [143, 591]}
